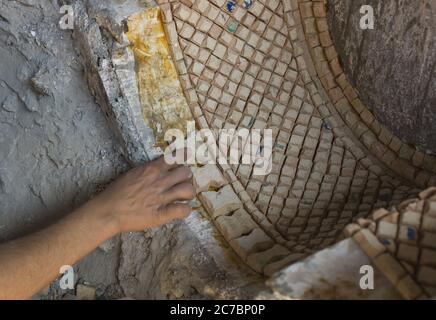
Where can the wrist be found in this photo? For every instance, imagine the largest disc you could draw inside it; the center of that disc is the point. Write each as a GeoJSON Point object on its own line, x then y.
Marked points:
{"type": "Point", "coordinates": [106, 222]}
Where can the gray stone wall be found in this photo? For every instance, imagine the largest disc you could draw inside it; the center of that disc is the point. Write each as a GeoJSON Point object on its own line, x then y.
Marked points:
{"type": "Point", "coordinates": [393, 66]}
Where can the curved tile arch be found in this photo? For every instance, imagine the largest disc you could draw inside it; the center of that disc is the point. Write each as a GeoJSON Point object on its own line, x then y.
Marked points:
{"type": "Point", "coordinates": [403, 159]}
{"type": "Point", "coordinates": [400, 243]}
{"type": "Point", "coordinates": [247, 69]}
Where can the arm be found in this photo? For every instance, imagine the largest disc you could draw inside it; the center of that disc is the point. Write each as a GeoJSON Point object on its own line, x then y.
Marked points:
{"type": "Point", "coordinates": [144, 197]}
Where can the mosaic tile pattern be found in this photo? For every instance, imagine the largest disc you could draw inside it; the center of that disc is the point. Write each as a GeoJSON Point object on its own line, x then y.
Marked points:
{"type": "Point", "coordinates": [401, 242]}
{"type": "Point", "coordinates": [250, 68]}
{"type": "Point", "coordinates": [403, 159]}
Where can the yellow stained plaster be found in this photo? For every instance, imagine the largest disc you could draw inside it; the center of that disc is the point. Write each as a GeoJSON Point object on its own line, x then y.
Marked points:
{"type": "Point", "coordinates": [163, 103]}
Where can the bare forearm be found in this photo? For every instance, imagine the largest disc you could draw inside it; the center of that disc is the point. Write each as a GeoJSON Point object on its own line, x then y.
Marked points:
{"type": "Point", "coordinates": [144, 197]}
{"type": "Point", "coordinates": [28, 264]}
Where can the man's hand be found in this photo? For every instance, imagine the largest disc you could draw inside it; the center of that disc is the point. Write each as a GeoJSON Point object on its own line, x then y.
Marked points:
{"type": "Point", "coordinates": [144, 197]}
{"type": "Point", "coordinates": [147, 196]}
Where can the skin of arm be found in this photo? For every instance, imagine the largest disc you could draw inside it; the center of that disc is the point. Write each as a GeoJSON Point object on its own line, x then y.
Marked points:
{"type": "Point", "coordinates": [144, 197]}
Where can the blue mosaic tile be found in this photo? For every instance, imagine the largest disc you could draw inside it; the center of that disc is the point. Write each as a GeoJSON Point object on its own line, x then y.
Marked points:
{"type": "Point", "coordinates": [248, 4]}
{"type": "Point", "coordinates": [386, 242]}
{"type": "Point", "coordinates": [231, 6]}
{"type": "Point", "coordinates": [411, 233]}
{"type": "Point", "coordinates": [327, 126]}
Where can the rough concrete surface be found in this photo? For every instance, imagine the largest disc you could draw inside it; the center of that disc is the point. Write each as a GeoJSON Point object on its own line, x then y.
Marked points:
{"type": "Point", "coordinates": [56, 149]}
{"type": "Point", "coordinates": [392, 66]}
{"type": "Point", "coordinates": [333, 273]}
{"type": "Point", "coordinates": [186, 260]}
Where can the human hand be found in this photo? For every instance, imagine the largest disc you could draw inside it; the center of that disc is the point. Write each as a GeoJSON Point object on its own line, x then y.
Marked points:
{"type": "Point", "coordinates": [147, 196]}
